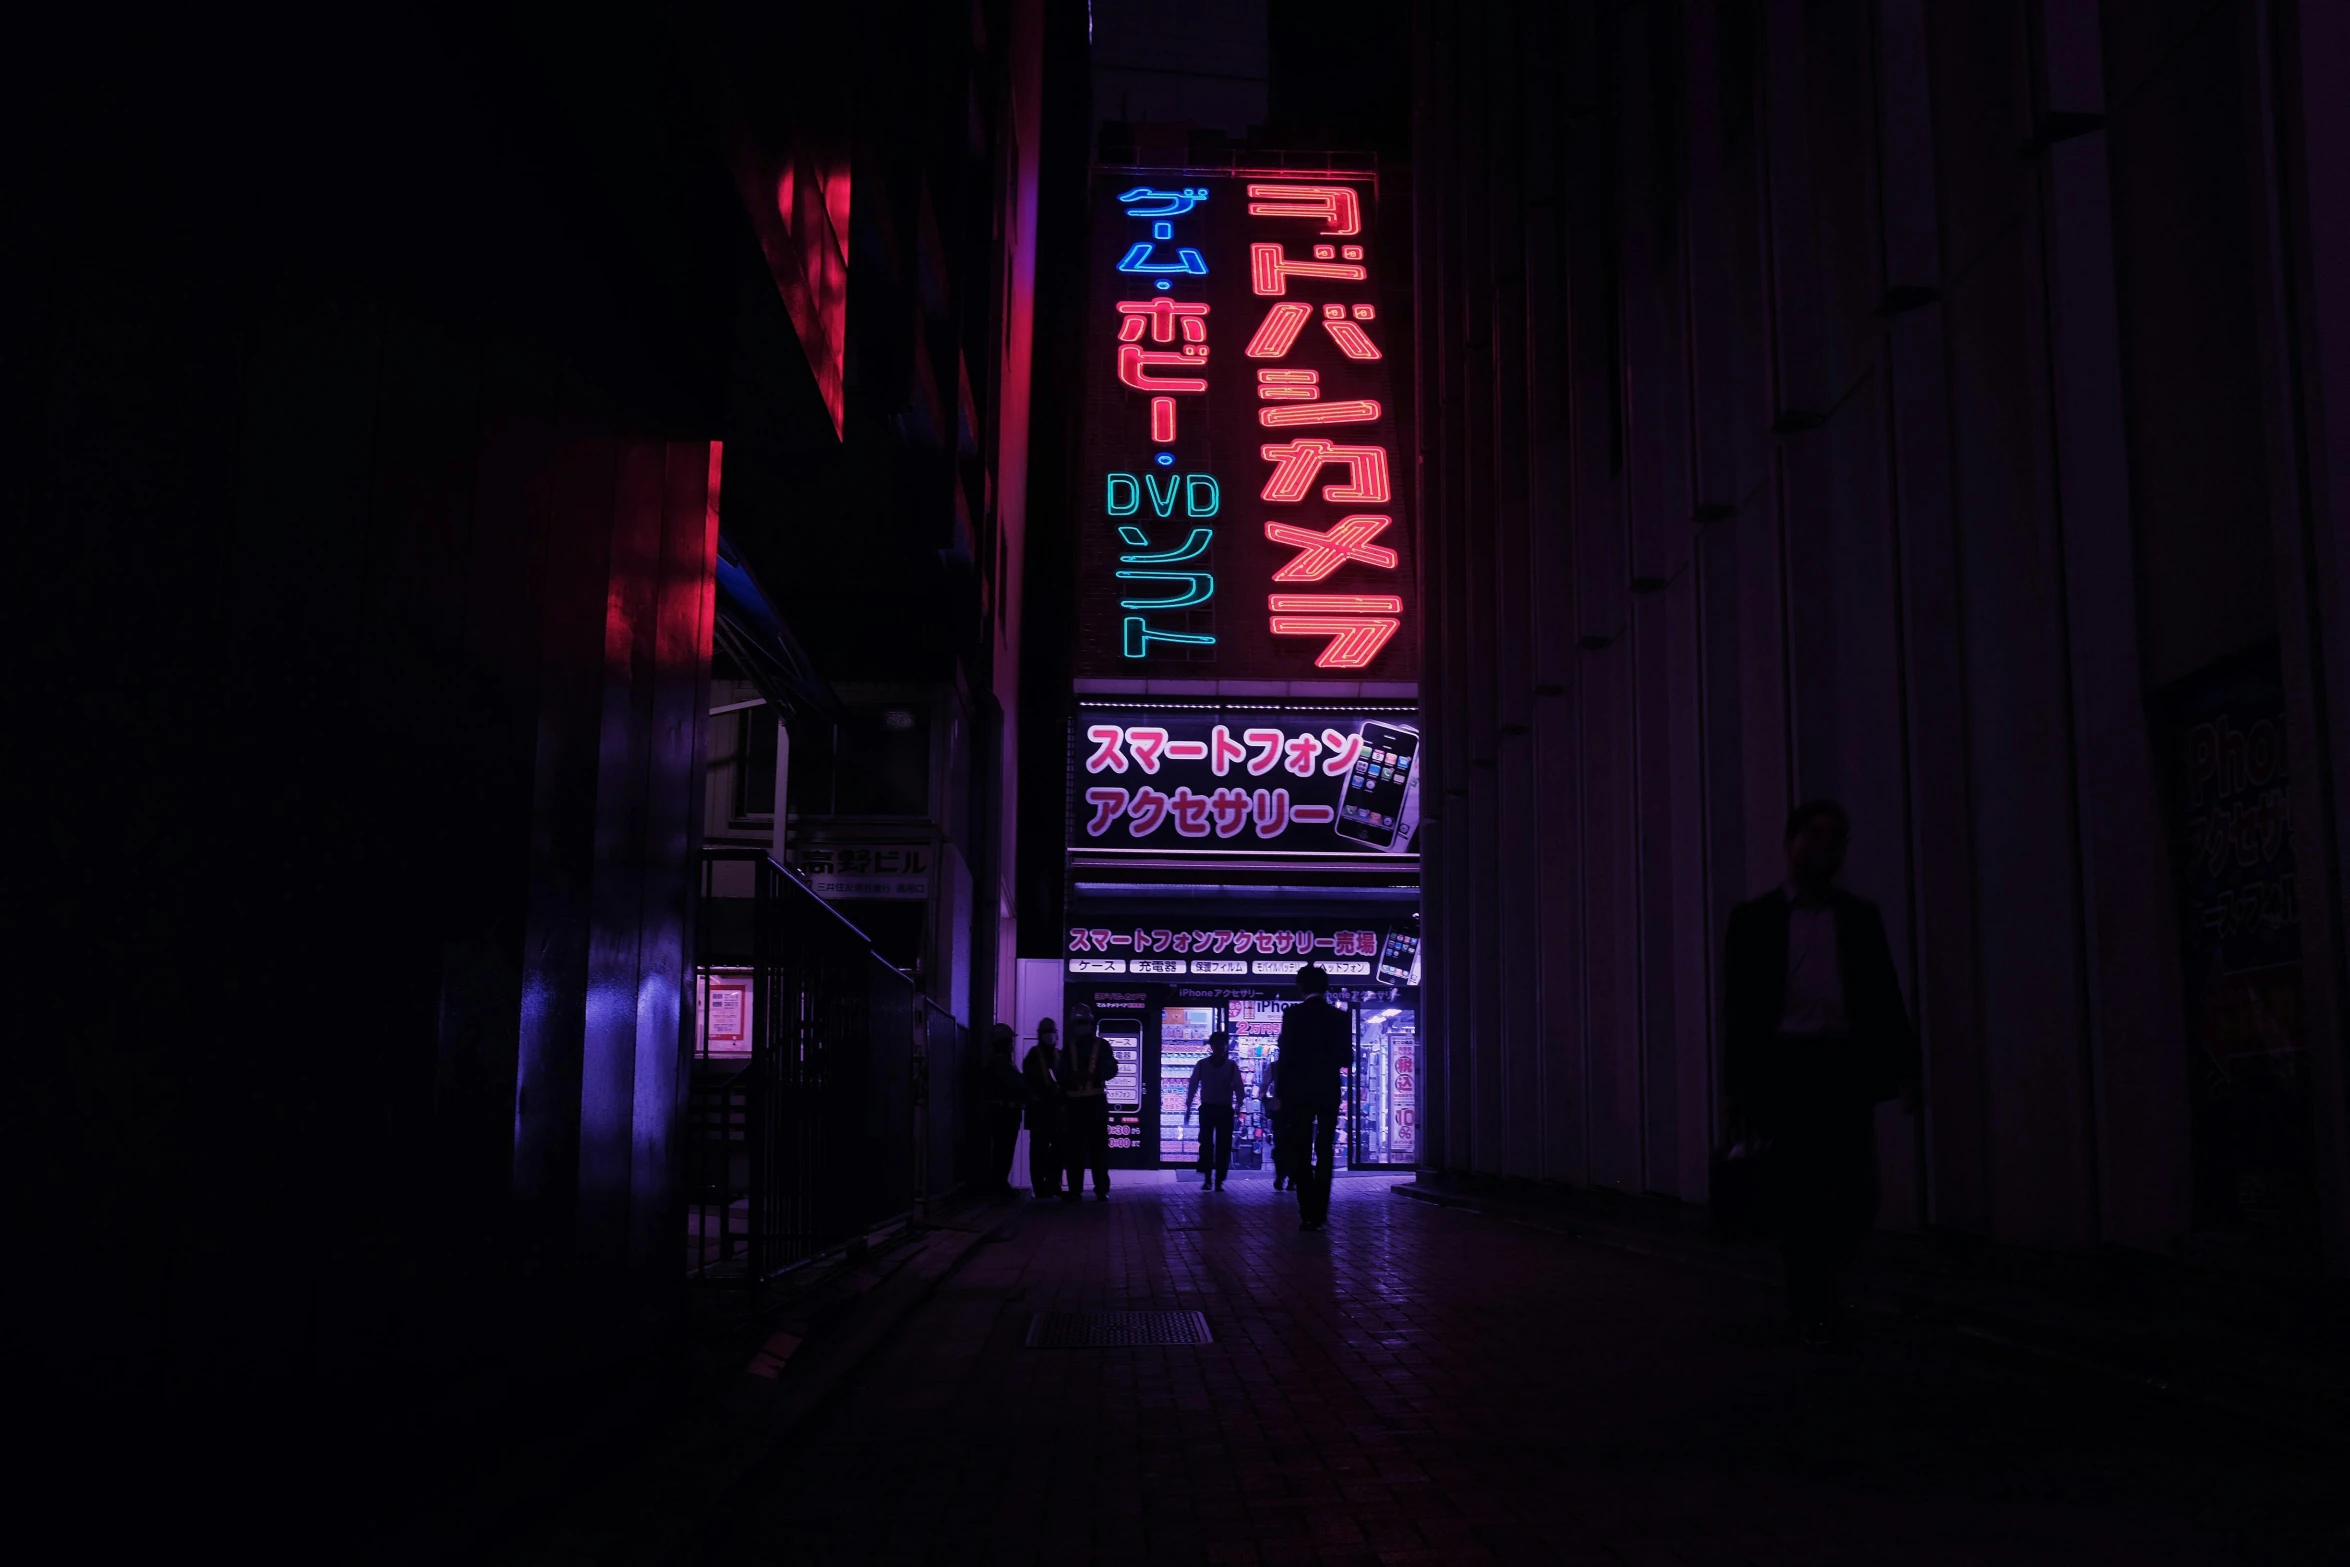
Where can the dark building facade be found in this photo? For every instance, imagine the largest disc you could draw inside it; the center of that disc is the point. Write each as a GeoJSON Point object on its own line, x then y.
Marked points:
{"type": "Point", "coordinates": [1936, 408]}
{"type": "Point", "coordinates": [394, 391]}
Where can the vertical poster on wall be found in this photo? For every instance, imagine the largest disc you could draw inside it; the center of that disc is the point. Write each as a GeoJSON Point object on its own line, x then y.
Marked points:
{"type": "Point", "coordinates": [2240, 917]}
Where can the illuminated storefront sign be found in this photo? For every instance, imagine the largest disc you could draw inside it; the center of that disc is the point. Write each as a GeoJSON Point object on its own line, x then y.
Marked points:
{"type": "Point", "coordinates": [1235, 780]}
{"type": "Point", "coordinates": [1165, 948]}
{"type": "Point", "coordinates": [1248, 520]}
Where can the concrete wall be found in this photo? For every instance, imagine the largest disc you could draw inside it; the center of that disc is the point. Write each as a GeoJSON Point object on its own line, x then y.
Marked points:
{"type": "Point", "coordinates": [1893, 402]}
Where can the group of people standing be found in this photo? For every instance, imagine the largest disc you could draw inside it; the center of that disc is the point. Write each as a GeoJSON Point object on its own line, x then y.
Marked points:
{"type": "Point", "coordinates": [1059, 1093]}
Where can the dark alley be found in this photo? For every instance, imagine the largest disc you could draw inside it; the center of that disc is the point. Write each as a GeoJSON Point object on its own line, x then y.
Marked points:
{"type": "Point", "coordinates": [1428, 1385]}
{"type": "Point", "coordinates": [1286, 781]}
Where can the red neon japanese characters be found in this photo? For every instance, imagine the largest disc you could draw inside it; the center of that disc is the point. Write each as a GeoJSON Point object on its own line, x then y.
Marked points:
{"type": "Point", "coordinates": [1278, 331]}
{"type": "Point", "coordinates": [1320, 554]}
{"type": "Point", "coordinates": [1270, 269]}
{"type": "Point", "coordinates": [1136, 364]}
{"type": "Point", "coordinates": [1336, 207]}
{"type": "Point", "coordinates": [1351, 339]}
{"type": "Point", "coordinates": [1357, 624]}
{"type": "Point", "coordinates": [1144, 368]}
{"type": "Point", "coordinates": [1359, 410]}
{"type": "Point", "coordinates": [1161, 316]}
{"type": "Point", "coordinates": [1297, 464]}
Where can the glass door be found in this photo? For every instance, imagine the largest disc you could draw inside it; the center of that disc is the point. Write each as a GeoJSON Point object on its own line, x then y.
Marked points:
{"type": "Point", "coordinates": [1183, 1044]}
{"type": "Point", "coordinates": [1387, 1084]}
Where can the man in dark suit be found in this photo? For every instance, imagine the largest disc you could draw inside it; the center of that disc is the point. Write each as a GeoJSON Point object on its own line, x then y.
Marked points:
{"type": "Point", "coordinates": [1317, 1045]}
{"type": "Point", "coordinates": [1817, 1035]}
{"type": "Point", "coordinates": [1085, 1068]}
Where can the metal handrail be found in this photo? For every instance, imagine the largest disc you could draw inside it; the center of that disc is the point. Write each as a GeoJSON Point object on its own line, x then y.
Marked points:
{"type": "Point", "coordinates": [848, 1108]}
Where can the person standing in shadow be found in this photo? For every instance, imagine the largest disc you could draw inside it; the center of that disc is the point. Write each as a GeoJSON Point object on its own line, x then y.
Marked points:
{"type": "Point", "coordinates": [1817, 1036]}
{"type": "Point", "coordinates": [1216, 1087]}
{"type": "Point", "coordinates": [1041, 1105]}
{"type": "Point", "coordinates": [1007, 1094]}
{"type": "Point", "coordinates": [1317, 1045]}
{"type": "Point", "coordinates": [1276, 1120]}
{"type": "Point", "coordinates": [1086, 1065]}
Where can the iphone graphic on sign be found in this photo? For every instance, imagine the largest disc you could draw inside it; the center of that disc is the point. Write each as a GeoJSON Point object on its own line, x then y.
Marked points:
{"type": "Point", "coordinates": [1400, 959]}
{"type": "Point", "coordinates": [1380, 806]}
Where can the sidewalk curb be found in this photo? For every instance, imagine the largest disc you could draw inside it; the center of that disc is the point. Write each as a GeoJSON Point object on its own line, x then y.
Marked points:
{"type": "Point", "coordinates": [677, 1495]}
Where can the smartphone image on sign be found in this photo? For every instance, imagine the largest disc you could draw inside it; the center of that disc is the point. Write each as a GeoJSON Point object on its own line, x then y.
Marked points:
{"type": "Point", "coordinates": [1398, 958]}
{"type": "Point", "coordinates": [1375, 808]}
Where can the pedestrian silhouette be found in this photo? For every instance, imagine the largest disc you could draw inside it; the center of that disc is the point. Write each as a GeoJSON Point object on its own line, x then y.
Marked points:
{"type": "Point", "coordinates": [1086, 1065]}
{"type": "Point", "coordinates": [1217, 1088]}
{"type": "Point", "coordinates": [1317, 1044]}
{"type": "Point", "coordinates": [1006, 1095]}
{"type": "Point", "coordinates": [1816, 1035]}
{"type": "Point", "coordinates": [1276, 1120]}
{"type": "Point", "coordinates": [1042, 1109]}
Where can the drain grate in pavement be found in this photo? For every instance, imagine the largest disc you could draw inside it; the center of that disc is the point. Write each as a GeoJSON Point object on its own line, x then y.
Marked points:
{"type": "Point", "coordinates": [1115, 1329]}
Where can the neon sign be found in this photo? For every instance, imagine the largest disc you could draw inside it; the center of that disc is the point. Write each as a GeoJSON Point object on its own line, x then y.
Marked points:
{"type": "Point", "coordinates": [1173, 425]}
{"type": "Point", "coordinates": [1337, 781]}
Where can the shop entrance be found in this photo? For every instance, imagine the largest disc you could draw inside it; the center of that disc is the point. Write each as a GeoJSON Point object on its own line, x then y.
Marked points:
{"type": "Point", "coordinates": [1159, 1032]}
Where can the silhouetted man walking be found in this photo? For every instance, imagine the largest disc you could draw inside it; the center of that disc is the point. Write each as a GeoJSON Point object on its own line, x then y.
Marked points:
{"type": "Point", "coordinates": [1216, 1087]}
{"type": "Point", "coordinates": [1087, 1064]}
{"type": "Point", "coordinates": [1817, 1035]}
{"type": "Point", "coordinates": [1317, 1044]}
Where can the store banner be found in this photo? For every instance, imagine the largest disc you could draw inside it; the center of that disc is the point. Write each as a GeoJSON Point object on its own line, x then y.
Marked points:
{"type": "Point", "coordinates": [1363, 953]}
{"type": "Point", "coordinates": [1245, 781]}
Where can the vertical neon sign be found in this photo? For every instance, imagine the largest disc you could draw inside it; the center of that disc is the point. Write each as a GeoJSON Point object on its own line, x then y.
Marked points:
{"type": "Point", "coordinates": [1238, 332]}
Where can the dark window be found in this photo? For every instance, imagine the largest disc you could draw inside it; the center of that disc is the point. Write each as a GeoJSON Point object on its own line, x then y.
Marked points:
{"type": "Point", "coordinates": [884, 762]}
{"type": "Point", "coordinates": [754, 777]}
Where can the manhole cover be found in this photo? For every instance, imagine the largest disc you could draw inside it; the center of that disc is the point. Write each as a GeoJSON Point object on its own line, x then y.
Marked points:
{"type": "Point", "coordinates": [1115, 1329]}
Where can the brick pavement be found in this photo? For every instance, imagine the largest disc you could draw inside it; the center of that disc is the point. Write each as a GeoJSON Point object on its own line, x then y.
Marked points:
{"type": "Point", "coordinates": [1423, 1385]}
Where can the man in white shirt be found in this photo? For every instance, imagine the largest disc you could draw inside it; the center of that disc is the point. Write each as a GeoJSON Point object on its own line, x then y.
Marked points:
{"type": "Point", "coordinates": [1216, 1087]}
{"type": "Point", "coordinates": [1817, 1035]}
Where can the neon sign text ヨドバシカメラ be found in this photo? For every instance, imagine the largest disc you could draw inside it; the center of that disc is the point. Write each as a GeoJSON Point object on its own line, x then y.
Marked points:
{"type": "Point", "coordinates": [1297, 464]}
{"type": "Point", "coordinates": [1354, 626]}
{"type": "Point", "coordinates": [1270, 269]}
{"type": "Point", "coordinates": [1357, 624]}
{"type": "Point", "coordinates": [1319, 554]}
{"type": "Point", "coordinates": [1335, 207]}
